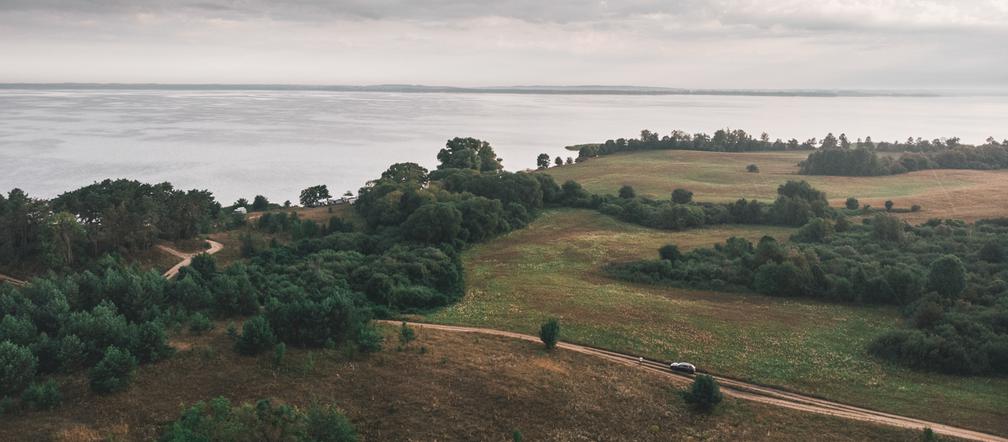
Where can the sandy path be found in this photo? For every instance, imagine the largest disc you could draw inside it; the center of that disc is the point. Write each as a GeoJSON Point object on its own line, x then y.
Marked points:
{"type": "Point", "coordinates": [187, 257]}
{"type": "Point", "coordinates": [742, 390]}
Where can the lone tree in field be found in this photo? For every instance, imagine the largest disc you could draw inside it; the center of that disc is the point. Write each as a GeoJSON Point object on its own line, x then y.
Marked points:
{"type": "Point", "coordinates": [542, 161]}
{"type": "Point", "coordinates": [558, 161]}
{"type": "Point", "coordinates": [888, 205]}
{"type": "Point", "coordinates": [682, 196]}
{"type": "Point", "coordinates": [752, 168]}
{"type": "Point", "coordinates": [406, 335]}
{"type": "Point", "coordinates": [549, 332]}
{"type": "Point", "coordinates": [313, 196]}
{"type": "Point", "coordinates": [627, 192]}
{"type": "Point", "coordinates": [704, 394]}
{"type": "Point", "coordinates": [852, 203]}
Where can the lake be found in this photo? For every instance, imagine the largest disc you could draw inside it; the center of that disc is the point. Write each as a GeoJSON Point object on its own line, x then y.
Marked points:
{"type": "Point", "coordinates": [274, 143]}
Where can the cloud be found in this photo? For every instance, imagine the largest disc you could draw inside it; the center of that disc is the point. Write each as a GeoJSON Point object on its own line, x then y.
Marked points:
{"type": "Point", "coordinates": [688, 43]}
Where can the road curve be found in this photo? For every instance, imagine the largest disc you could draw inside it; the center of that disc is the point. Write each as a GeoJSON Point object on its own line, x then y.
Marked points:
{"type": "Point", "coordinates": [187, 257]}
{"type": "Point", "coordinates": [740, 389]}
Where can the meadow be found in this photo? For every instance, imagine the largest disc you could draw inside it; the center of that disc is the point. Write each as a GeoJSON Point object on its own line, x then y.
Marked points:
{"type": "Point", "coordinates": [442, 386]}
{"type": "Point", "coordinates": [722, 177]}
{"type": "Point", "coordinates": [553, 269]}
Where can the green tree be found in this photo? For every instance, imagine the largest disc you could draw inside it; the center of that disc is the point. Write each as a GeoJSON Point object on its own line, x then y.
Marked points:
{"type": "Point", "coordinates": [704, 394]}
{"type": "Point", "coordinates": [558, 161]}
{"type": "Point", "coordinates": [947, 276]}
{"type": "Point", "coordinates": [68, 232]}
{"type": "Point", "coordinates": [469, 153]}
{"type": "Point", "coordinates": [682, 196]}
{"type": "Point", "coordinates": [752, 168]}
{"type": "Point", "coordinates": [114, 372]}
{"type": "Point", "coordinates": [669, 252]}
{"type": "Point", "coordinates": [434, 223]}
{"type": "Point", "coordinates": [406, 334]}
{"type": "Point", "coordinates": [888, 205]}
{"type": "Point", "coordinates": [627, 192]}
{"type": "Point", "coordinates": [404, 173]}
{"type": "Point", "coordinates": [257, 336]}
{"type": "Point", "coordinates": [314, 196]}
{"type": "Point", "coordinates": [852, 203]}
{"type": "Point", "coordinates": [259, 203]}
{"type": "Point", "coordinates": [17, 367]}
{"type": "Point", "coordinates": [549, 333]}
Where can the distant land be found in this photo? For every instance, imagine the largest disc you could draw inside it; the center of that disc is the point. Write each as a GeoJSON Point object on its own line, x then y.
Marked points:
{"type": "Point", "coordinates": [558, 90]}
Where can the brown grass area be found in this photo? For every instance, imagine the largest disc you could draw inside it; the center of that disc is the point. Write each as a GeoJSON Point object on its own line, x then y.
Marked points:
{"type": "Point", "coordinates": [459, 387]}
{"type": "Point", "coordinates": [721, 176]}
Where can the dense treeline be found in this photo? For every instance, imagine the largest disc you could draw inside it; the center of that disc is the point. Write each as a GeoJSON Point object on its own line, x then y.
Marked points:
{"type": "Point", "coordinates": [110, 216]}
{"type": "Point", "coordinates": [797, 202]}
{"type": "Point", "coordinates": [832, 155]}
{"type": "Point", "coordinates": [723, 140]}
{"type": "Point", "coordinates": [949, 278]}
{"type": "Point", "coordinates": [864, 160]}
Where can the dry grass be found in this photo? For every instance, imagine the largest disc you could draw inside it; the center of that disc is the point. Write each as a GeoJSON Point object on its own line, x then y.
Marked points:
{"type": "Point", "coordinates": [719, 176]}
{"type": "Point", "coordinates": [459, 387]}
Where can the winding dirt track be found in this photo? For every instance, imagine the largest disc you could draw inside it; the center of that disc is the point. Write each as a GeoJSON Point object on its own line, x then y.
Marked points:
{"type": "Point", "coordinates": [740, 389]}
{"type": "Point", "coordinates": [187, 257]}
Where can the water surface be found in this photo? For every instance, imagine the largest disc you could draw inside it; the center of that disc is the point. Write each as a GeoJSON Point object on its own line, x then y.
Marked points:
{"type": "Point", "coordinates": [243, 143]}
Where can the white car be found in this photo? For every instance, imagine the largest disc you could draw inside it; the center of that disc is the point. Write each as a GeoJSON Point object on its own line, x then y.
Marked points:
{"type": "Point", "coordinates": [684, 367]}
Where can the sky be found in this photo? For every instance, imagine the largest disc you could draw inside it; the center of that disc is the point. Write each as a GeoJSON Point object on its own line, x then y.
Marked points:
{"type": "Point", "coordinates": [733, 44]}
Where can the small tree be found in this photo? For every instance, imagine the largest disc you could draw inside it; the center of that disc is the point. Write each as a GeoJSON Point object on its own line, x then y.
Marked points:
{"type": "Point", "coordinates": [752, 168]}
{"type": "Point", "coordinates": [669, 252]}
{"type": "Point", "coordinates": [44, 396]}
{"type": "Point", "coordinates": [313, 196]}
{"type": "Point", "coordinates": [704, 394]}
{"type": "Point", "coordinates": [570, 161]}
{"type": "Point", "coordinates": [542, 161]}
{"type": "Point", "coordinates": [259, 203]}
{"type": "Point", "coordinates": [558, 161]}
{"type": "Point", "coordinates": [257, 336]}
{"type": "Point", "coordinates": [17, 367]}
{"type": "Point", "coordinates": [114, 372]}
{"type": "Point", "coordinates": [406, 335]}
{"type": "Point", "coordinates": [242, 202]}
{"type": "Point", "coordinates": [682, 196]}
{"type": "Point", "coordinates": [627, 192]}
{"type": "Point", "coordinates": [947, 276]}
{"type": "Point", "coordinates": [852, 203]}
{"type": "Point", "coordinates": [888, 205]}
{"type": "Point", "coordinates": [549, 332]}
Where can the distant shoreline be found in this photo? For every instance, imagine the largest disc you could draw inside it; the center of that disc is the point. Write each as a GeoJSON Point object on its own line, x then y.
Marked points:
{"type": "Point", "coordinates": [531, 90]}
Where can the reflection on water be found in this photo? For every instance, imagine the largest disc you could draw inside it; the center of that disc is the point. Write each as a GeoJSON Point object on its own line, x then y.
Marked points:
{"type": "Point", "coordinates": [277, 142]}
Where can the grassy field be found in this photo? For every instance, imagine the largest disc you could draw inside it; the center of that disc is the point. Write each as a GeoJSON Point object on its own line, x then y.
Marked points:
{"type": "Point", "coordinates": [552, 269]}
{"type": "Point", "coordinates": [719, 176]}
{"type": "Point", "coordinates": [443, 386]}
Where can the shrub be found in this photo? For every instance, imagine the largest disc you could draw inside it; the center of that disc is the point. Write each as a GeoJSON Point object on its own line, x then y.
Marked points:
{"type": "Point", "coordinates": [44, 396]}
{"type": "Point", "coordinates": [369, 339]}
{"type": "Point", "coordinates": [549, 333]}
{"type": "Point", "coordinates": [199, 324]}
{"type": "Point", "coordinates": [752, 168]}
{"type": "Point", "coordinates": [888, 205]}
{"type": "Point", "coordinates": [327, 424]}
{"type": "Point", "coordinates": [627, 192]}
{"type": "Point", "coordinates": [17, 367]}
{"type": "Point", "coordinates": [992, 252]}
{"type": "Point", "coordinates": [704, 394]}
{"type": "Point", "coordinates": [257, 336]}
{"type": "Point", "coordinates": [406, 334]}
{"type": "Point", "coordinates": [947, 276]}
{"type": "Point", "coordinates": [114, 372]}
{"type": "Point", "coordinates": [669, 252]}
{"type": "Point", "coordinates": [852, 203]}
{"type": "Point", "coordinates": [915, 208]}
{"type": "Point", "coordinates": [682, 196]}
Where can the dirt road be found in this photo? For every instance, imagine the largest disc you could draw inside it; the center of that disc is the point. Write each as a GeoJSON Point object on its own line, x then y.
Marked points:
{"type": "Point", "coordinates": [187, 257]}
{"type": "Point", "coordinates": [14, 281]}
{"type": "Point", "coordinates": [742, 390]}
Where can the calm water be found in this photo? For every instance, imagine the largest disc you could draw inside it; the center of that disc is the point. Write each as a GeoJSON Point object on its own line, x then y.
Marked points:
{"type": "Point", "coordinates": [276, 143]}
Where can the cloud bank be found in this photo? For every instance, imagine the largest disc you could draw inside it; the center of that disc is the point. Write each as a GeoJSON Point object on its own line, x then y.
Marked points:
{"type": "Point", "coordinates": [878, 44]}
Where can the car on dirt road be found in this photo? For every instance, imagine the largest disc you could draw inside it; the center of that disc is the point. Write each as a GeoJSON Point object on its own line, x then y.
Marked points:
{"type": "Point", "coordinates": [684, 367]}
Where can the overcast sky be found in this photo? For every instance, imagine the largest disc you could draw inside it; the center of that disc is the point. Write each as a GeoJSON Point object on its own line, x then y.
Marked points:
{"type": "Point", "coordinates": [878, 44]}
